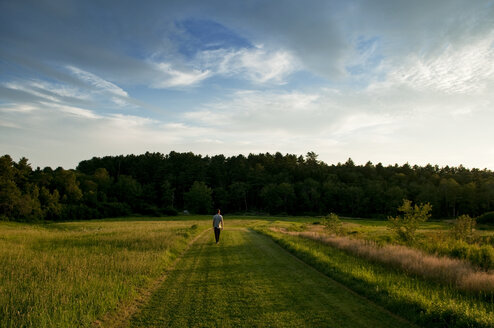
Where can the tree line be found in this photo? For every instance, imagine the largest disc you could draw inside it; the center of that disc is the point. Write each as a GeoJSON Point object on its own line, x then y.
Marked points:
{"type": "Point", "coordinates": [159, 184]}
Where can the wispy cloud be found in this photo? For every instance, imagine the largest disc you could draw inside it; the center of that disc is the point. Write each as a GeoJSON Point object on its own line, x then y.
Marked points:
{"type": "Point", "coordinates": [55, 92]}
{"type": "Point", "coordinates": [28, 87]}
{"type": "Point", "coordinates": [74, 111]}
{"type": "Point", "coordinates": [255, 64]}
{"type": "Point", "coordinates": [20, 108]}
{"type": "Point", "coordinates": [93, 90]}
{"type": "Point", "coordinates": [465, 69]}
{"type": "Point", "coordinates": [250, 110]}
{"type": "Point", "coordinates": [101, 86]}
{"type": "Point", "coordinates": [172, 77]}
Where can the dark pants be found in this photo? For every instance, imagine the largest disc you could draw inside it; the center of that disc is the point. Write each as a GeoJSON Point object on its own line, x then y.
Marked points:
{"type": "Point", "coordinates": [217, 234]}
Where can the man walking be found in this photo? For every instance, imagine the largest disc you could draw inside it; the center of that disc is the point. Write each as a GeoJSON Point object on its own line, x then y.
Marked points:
{"type": "Point", "coordinates": [217, 225]}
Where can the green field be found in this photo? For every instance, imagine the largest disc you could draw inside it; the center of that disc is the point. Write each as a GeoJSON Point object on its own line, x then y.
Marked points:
{"type": "Point", "coordinates": [248, 280]}
{"type": "Point", "coordinates": [69, 274]}
{"type": "Point", "coordinates": [167, 272]}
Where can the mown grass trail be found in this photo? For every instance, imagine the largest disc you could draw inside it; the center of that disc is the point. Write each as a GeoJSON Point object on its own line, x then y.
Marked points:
{"type": "Point", "coordinates": [248, 280]}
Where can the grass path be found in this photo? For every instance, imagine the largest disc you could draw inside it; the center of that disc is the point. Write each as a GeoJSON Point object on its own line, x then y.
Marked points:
{"type": "Point", "coordinates": [248, 280]}
{"type": "Point", "coordinates": [120, 317]}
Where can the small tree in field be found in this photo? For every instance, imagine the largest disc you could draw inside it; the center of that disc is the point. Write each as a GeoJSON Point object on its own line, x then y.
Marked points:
{"type": "Point", "coordinates": [463, 228]}
{"type": "Point", "coordinates": [333, 223]}
{"type": "Point", "coordinates": [405, 225]}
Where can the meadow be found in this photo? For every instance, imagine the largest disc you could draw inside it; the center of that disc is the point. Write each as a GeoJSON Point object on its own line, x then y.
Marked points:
{"type": "Point", "coordinates": [249, 281]}
{"type": "Point", "coordinates": [70, 274]}
{"type": "Point", "coordinates": [87, 273]}
{"type": "Point", "coordinates": [410, 279]}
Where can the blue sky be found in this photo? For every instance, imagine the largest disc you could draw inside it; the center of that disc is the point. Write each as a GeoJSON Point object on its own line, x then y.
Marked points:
{"type": "Point", "coordinates": [383, 81]}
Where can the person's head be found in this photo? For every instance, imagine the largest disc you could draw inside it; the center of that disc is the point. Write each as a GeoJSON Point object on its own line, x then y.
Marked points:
{"type": "Point", "coordinates": [219, 211]}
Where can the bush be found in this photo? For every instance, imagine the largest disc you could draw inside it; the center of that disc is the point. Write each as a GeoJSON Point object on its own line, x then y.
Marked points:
{"type": "Point", "coordinates": [486, 218]}
{"type": "Point", "coordinates": [460, 250]}
{"type": "Point", "coordinates": [333, 223]}
{"type": "Point", "coordinates": [487, 257]}
{"type": "Point", "coordinates": [463, 228]}
{"type": "Point", "coordinates": [406, 225]}
{"type": "Point", "coordinates": [482, 256]}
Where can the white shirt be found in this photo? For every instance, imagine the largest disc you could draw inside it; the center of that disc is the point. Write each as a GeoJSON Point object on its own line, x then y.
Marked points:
{"type": "Point", "coordinates": [218, 221]}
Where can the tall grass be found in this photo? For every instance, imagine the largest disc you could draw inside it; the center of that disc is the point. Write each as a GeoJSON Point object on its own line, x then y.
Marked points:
{"type": "Point", "coordinates": [433, 238]}
{"type": "Point", "coordinates": [69, 274]}
{"type": "Point", "coordinates": [442, 269]}
{"type": "Point", "coordinates": [481, 255]}
{"type": "Point", "coordinates": [425, 302]}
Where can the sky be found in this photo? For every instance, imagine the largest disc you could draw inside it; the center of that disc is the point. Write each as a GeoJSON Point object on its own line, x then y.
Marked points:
{"type": "Point", "coordinates": [385, 81]}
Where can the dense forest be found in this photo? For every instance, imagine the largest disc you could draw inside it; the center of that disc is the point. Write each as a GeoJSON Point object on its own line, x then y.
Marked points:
{"type": "Point", "coordinates": [158, 184]}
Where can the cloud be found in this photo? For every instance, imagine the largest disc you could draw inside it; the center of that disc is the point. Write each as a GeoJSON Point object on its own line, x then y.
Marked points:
{"type": "Point", "coordinates": [389, 125]}
{"type": "Point", "coordinates": [335, 124]}
{"type": "Point", "coordinates": [175, 78]}
{"type": "Point", "coordinates": [74, 111]}
{"type": "Point", "coordinates": [254, 64]}
{"type": "Point", "coordinates": [313, 36]}
{"type": "Point", "coordinates": [54, 92]}
{"type": "Point", "coordinates": [100, 84]}
{"type": "Point", "coordinates": [92, 91]}
{"type": "Point", "coordinates": [457, 70]}
{"type": "Point", "coordinates": [386, 80]}
{"type": "Point", "coordinates": [24, 108]}
{"type": "Point", "coordinates": [248, 111]}
{"type": "Point", "coordinates": [27, 87]}
{"type": "Point", "coordinates": [81, 134]}
{"type": "Point", "coordinates": [365, 123]}
{"type": "Point", "coordinates": [319, 34]}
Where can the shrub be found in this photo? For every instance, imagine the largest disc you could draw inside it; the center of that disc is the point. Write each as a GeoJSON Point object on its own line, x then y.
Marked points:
{"type": "Point", "coordinates": [460, 250]}
{"type": "Point", "coordinates": [486, 257]}
{"type": "Point", "coordinates": [481, 256]}
{"type": "Point", "coordinates": [406, 225]}
{"type": "Point", "coordinates": [333, 223]}
{"type": "Point", "coordinates": [463, 228]}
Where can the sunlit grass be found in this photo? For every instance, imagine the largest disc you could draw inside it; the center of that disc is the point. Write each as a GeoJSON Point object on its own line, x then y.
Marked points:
{"type": "Point", "coordinates": [454, 272]}
{"type": "Point", "coordinates": [249, 281]}
{"type": "Point", "coordinates": [426, 302]}
{"type": "Point", "coordinates": [69, 274]}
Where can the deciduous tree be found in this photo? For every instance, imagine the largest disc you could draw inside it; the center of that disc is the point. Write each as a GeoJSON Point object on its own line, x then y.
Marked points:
{"type": "Point", "coordinates": [406, 225]}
